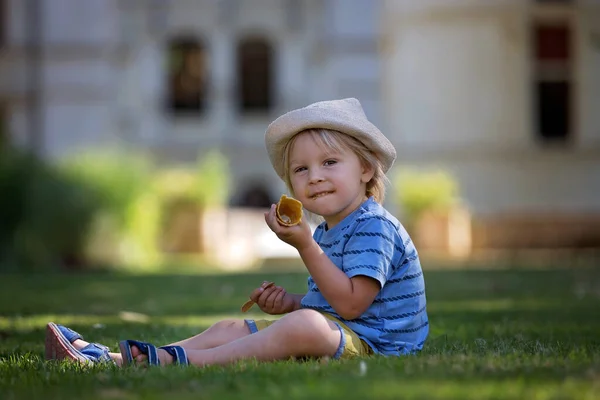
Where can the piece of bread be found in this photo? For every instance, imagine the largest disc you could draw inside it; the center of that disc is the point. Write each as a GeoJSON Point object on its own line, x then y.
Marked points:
{"type": "Point", "coordinates": [289, 211]}
{"type": "Point", "coordinates": [248, 305]}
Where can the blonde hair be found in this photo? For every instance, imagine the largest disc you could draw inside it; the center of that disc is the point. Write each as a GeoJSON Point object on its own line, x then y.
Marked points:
{"type": "Point", "coordinates": [337, 141]}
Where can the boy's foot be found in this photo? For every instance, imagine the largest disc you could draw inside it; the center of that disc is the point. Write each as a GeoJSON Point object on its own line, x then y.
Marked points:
{"type": "Point", "coordinates": [64, 343]}
{"type": "Point", "coordinates": [58, 347]}
{"type": "Point", "coordinates": [140, 358]}
{"type": "Point", "coordinates": [84, 347]}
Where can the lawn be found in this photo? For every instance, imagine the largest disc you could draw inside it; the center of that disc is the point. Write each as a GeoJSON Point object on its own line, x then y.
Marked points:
{"type": "Point", "coordinates": [497, 333]}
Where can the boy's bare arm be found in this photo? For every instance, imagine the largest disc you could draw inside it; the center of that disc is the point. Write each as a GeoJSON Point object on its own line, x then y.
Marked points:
{"type": "Point", "coordinates": [349, 297]}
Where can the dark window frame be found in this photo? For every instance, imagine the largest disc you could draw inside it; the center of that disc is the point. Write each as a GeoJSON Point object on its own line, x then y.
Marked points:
{"type": "Point", "coordinates": [255, 75]}
{"type": "Point", "coordinates": [553, 84]}
{"type": "Point", "coordinates": [187, 74]}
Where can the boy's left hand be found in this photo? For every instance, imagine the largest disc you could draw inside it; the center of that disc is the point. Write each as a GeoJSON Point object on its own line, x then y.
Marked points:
{"type": "Point", "coordinates": [298, 236]}
{"type": "Point", "coordinates": [273, 299]}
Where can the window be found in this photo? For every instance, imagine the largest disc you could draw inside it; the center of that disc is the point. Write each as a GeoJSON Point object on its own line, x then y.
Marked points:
{"type": "Point", "coordinates": [553, 82]}
{"type": "Point", "coordinates": [254, 75]}
{"type": "Point", "coordinates": [255, 196]}
{"type": "Point", "coordinates": [187, 76]}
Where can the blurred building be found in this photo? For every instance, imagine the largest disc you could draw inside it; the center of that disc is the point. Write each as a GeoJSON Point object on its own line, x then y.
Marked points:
{"type": "Point", "coordinates": [504, 93]}
{"type": "Point", "coordinates": [180, 76]}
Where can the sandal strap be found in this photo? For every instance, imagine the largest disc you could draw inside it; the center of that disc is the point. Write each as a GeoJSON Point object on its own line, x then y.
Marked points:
{"type": "Point", "coordinates": [178, 353]}
{"type": "Point", "coordinates": [145, 348]}
{"type": "Point", "coordinates": [69, 333]}
{"type": "Point", "coordinates": [96, 352]}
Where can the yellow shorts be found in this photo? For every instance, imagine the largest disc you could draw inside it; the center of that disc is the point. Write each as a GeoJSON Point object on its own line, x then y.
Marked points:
{"type": "Point", "coordinates": [350, 344]}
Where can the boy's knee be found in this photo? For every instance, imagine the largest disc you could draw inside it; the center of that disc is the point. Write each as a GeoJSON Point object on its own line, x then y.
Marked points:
{"type": "Point", "coordinates": [308, 324]}
{"type": "Point", "coordinates": [227, 324]}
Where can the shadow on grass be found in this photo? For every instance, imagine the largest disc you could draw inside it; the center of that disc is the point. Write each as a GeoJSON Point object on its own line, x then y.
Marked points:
{"type": "Point", "coordinates": [552, 290]}
{"type": "Point", "coordinates": [480, 302]}
{"type": "Point", "coordinates": [533, 327]}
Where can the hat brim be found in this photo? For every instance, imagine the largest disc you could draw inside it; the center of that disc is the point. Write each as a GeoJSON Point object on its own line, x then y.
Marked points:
{"type": "Point", "coordinates": [345, 116]}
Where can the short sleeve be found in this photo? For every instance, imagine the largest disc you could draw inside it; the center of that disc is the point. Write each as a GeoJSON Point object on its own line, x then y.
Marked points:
{"type": "Point", "coordinates": [318, 233]}
{"type": "Point", "coordinates": [371, 249]}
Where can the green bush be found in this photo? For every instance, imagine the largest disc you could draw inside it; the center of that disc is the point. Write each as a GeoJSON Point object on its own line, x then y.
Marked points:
{"type": "Point", "coordinates": [14, 183]}
{"type": "Point", "coordinates": [117, 178]}
{"type": "Point", "coordinates": [102, 207]}
{"type": "Point", "coordinates": [417, 191]}
{"type": "Point", "coordinates": [213, 179]}
{"type": "Point", "coordinates": [189, 193]}
{"type": "Point", "coordinates": [207, 185]}
{"type": "Point", "coordinates": [134, 197]}
{"type": "Point", "coordinates": [45, 215]}
{"type": "Point", "coordinates": [125, 229]}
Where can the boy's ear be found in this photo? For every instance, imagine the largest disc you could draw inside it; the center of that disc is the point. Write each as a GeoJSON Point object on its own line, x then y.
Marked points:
{"type": "Point", "coordinates": [368, 172]}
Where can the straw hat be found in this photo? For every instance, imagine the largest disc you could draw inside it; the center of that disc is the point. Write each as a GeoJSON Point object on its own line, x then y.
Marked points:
{"type": "Point", "coordinates": [345, 115]}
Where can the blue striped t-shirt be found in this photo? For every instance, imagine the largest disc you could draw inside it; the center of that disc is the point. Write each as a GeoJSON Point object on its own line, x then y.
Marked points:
{"type": "Point", "coordinates": [370, 241]}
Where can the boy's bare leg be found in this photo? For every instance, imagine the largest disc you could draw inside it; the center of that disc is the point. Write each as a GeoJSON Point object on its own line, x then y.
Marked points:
{"type": "Point", "coordinates": [220, 333]}
{"type": "Point", "coordinates": [300, 333]}
{"type": "Point", "coordinates": [116, 357]}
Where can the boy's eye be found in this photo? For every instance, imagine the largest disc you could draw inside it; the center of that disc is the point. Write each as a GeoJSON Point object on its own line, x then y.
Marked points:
{"type": "Point", "coordinates": [299, 169]}
{"type": "Point", "coordinates": [330, 162]}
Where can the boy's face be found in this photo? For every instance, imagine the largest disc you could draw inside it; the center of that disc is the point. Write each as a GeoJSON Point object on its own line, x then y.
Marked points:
{"type": "Point", "coordinates": [330, 184]}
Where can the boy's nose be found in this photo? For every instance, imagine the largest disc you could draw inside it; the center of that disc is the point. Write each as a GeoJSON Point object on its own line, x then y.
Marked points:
{"type": "Point", "coordinates": [315, 177]}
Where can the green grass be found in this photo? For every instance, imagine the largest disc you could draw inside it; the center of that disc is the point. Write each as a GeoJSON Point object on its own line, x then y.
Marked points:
{"type": "Point", "coordinates": [502, 334]}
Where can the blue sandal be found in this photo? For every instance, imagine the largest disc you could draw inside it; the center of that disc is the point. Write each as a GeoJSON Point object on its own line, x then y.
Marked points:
{"type": "Point", "coordinates": [59, 345]}
{"type": "Point", "coordinates": [177, 352]}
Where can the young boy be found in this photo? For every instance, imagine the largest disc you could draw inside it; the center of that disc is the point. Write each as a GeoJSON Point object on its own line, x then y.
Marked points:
{"type": "Point", "coordinates": [365, 294]}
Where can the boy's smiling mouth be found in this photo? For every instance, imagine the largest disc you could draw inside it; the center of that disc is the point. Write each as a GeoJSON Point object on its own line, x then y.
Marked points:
{"type": "Point", "coordinates": [320, 194]}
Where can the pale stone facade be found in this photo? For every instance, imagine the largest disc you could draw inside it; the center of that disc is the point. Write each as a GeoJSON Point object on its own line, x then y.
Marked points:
{"type": "Point", "coordinates": [102, 72]}
{"type": "Point", "coordinates": [458, 93]}
{"type": "Point", "coordinates": [450, 82]}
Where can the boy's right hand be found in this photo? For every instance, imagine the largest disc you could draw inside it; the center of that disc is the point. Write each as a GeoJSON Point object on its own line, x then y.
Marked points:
{"type": "Point", "coordinates": [298, 236]}
{"type": "Point", "coordinates": [273, 299]}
